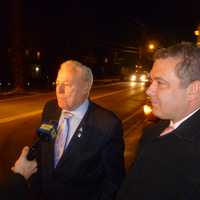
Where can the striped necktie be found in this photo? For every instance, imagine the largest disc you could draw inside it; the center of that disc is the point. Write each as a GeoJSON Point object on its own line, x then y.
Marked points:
{"type": "Point", "coordinates": [62, 137]}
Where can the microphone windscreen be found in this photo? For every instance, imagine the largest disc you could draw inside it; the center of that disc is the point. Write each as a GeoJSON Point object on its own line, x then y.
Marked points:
{"type": "Point", "coordinates": [47, 131]}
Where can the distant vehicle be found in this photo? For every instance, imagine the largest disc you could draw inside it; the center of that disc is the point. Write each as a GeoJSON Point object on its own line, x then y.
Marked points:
{"type": "Point", "coordinates": [147, 109]}
{"type": "Point", "coordinates": [139, 76]}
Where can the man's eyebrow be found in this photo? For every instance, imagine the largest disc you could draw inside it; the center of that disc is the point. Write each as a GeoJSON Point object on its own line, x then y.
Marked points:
{"type": "Point", "coordinates": [160, 79]}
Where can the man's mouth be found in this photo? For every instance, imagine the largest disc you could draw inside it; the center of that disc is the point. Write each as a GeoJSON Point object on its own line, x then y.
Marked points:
{"type": "Point", "coordinates": [154, 102]}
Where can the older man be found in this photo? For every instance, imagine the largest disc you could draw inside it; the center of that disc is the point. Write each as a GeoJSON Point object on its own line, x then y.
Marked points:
{"type": "Point", "coordinates": [168, 162]}
{"type": "Point", "coordinates": [85, 161]}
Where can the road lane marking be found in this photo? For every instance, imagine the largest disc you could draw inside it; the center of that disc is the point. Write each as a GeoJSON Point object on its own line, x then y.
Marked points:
{"type": "Point", "coordinates": [9, 119]}
{"type": "Point", "coordinates": [29, 114]}
{"type": "Point", "coordinates": [26, 97]}
{"type": "Point", "coordinates": [53, 92]}
{"type": "Point", "coordinates": [131, 116]}
{"type": "Point", "coordinates": [37, 112]}
{"type": "Point", "coordinates": [109, 94]}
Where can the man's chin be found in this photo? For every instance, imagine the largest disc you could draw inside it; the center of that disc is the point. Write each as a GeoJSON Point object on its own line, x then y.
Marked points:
{"type": "Point", "coordinates": [63, 106]}
{"type": "Point", "coordinates": [159, 115]}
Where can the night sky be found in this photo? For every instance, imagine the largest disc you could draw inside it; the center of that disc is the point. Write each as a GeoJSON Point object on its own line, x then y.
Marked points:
{"type": "Point", "coordinates": [114, 20]}
{"type": "Point", "coordinates": [59, 28]}
{"type": "Point", "coordinates": [50, 23]}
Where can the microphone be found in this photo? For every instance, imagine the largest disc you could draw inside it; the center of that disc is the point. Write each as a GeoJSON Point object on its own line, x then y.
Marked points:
{"type": "Point", "coordinates": [46, 133]}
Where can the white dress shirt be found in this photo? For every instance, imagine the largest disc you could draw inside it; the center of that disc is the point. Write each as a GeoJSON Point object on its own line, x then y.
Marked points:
{"type": "Point", "coordinates": [74, 121]}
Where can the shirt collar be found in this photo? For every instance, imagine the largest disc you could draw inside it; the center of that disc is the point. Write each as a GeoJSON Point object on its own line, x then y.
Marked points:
{"type": "Point", "coordinates": [178, 123]}
{"type": "Point", "coordinates": [81, 110]}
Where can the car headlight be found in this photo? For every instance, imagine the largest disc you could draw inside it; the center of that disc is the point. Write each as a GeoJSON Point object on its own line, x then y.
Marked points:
{"type": "Point", "coordinates": [147, 109]}
{"type": "Point", "coordinates": [133, 77]}
{"type": "Point", "coordinates": [143, 78]}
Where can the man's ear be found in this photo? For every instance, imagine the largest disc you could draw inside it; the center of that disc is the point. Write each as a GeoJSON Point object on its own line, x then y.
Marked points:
{"type": "Point", "coordinates": [193, 90]}
{"type": "Point", "coordinates": [85, 88]}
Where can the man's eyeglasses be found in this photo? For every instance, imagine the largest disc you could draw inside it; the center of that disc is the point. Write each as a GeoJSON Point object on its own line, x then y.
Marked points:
{"type": "Point", "coordinates": [65, 84]}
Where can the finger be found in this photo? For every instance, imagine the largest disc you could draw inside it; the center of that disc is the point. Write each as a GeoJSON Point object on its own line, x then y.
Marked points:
{"type": "Point", "coordinates": [25, 151]}
{"type": "Point", "coordinates": [12, 169]}
{"type": "Point", "coordinates": [35, 170]}
{"type": "Point", "coordinates": [34, 163]}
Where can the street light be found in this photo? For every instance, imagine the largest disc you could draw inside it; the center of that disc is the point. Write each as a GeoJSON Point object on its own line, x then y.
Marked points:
{"type": "Point", "coordinates": [37, 69]}
{"type": "Point", "coordinates": [197, 34]}
{"type": "Point", "coordinates": [151, 46]}
{"type": "Point", "coordinates": [38, 55]}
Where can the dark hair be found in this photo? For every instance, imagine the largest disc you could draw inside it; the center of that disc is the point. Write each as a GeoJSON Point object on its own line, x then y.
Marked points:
{"type": "Point", "coordinates": [188, 69]}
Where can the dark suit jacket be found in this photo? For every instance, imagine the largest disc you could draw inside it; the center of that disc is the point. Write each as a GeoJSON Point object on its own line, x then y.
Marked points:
{"type": "Point", "coordinates": [92, 166]}
{"type": "Point", "coordinates": [15, 187]}
{"type": "Point", "coordinates": [167, 167]}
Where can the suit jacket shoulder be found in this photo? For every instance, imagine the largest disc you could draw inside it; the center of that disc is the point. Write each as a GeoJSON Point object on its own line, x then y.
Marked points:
{"type": "Point", "coordinates": [102, 116]}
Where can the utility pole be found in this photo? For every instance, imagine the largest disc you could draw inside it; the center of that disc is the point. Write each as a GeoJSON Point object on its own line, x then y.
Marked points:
{"type": "Point", "coordinates": [17, 48]}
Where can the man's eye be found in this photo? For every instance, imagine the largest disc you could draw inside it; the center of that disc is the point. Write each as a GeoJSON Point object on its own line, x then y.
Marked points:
{"type": "Point", "coordinates": [162, 83]}
{"type": "Point", "coordinates": [62, 84]}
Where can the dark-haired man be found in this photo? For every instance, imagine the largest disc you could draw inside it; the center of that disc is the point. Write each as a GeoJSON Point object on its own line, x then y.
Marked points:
{"type": "Point", "coordinates": [167, 166]}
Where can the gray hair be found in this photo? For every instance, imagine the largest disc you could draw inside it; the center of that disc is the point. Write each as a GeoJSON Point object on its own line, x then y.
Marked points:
{"type": "Point", "coordinates": [188, 69]}
{"type": "Point", "coordinates": [87, 73]}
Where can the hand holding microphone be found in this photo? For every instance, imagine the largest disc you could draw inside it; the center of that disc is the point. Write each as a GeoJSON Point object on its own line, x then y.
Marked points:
{"type": "Point", "coordinates": [23, 166]}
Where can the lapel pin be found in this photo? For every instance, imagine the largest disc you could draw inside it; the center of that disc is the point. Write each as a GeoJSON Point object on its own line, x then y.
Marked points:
{"type": "Point", "coordinates": [80, 131]}
{"type": "Point", "coordinates": [79, 135]}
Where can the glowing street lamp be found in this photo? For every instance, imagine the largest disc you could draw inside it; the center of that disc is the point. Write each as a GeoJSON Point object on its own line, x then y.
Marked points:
{"type": "Point", "coordinates": [37, 69]}
{"type": "Point", "coordinates": [151, 47]}
{"type": "Point", "coordinates": [196, 32]}
{"type": "Point", "coordinates": [38, 55]}
{"type": "Point", "coordinates": [36, 73]}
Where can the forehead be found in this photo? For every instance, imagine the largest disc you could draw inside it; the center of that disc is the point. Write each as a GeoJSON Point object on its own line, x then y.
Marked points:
{"type": "Point", "coordinates": [164, 67]}
{"type": "Point", "coordinates": [68, 73]}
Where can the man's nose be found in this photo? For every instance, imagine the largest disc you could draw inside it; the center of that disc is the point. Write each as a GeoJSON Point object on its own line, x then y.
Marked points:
{"type": "Point", "coordinates": [61, 88]}
{"type": "Point", "coordinates": [151, 89]}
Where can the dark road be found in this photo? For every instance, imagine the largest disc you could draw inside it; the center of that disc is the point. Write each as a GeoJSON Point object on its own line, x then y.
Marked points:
{"type": "Point", "coordinates": [20, 117]}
